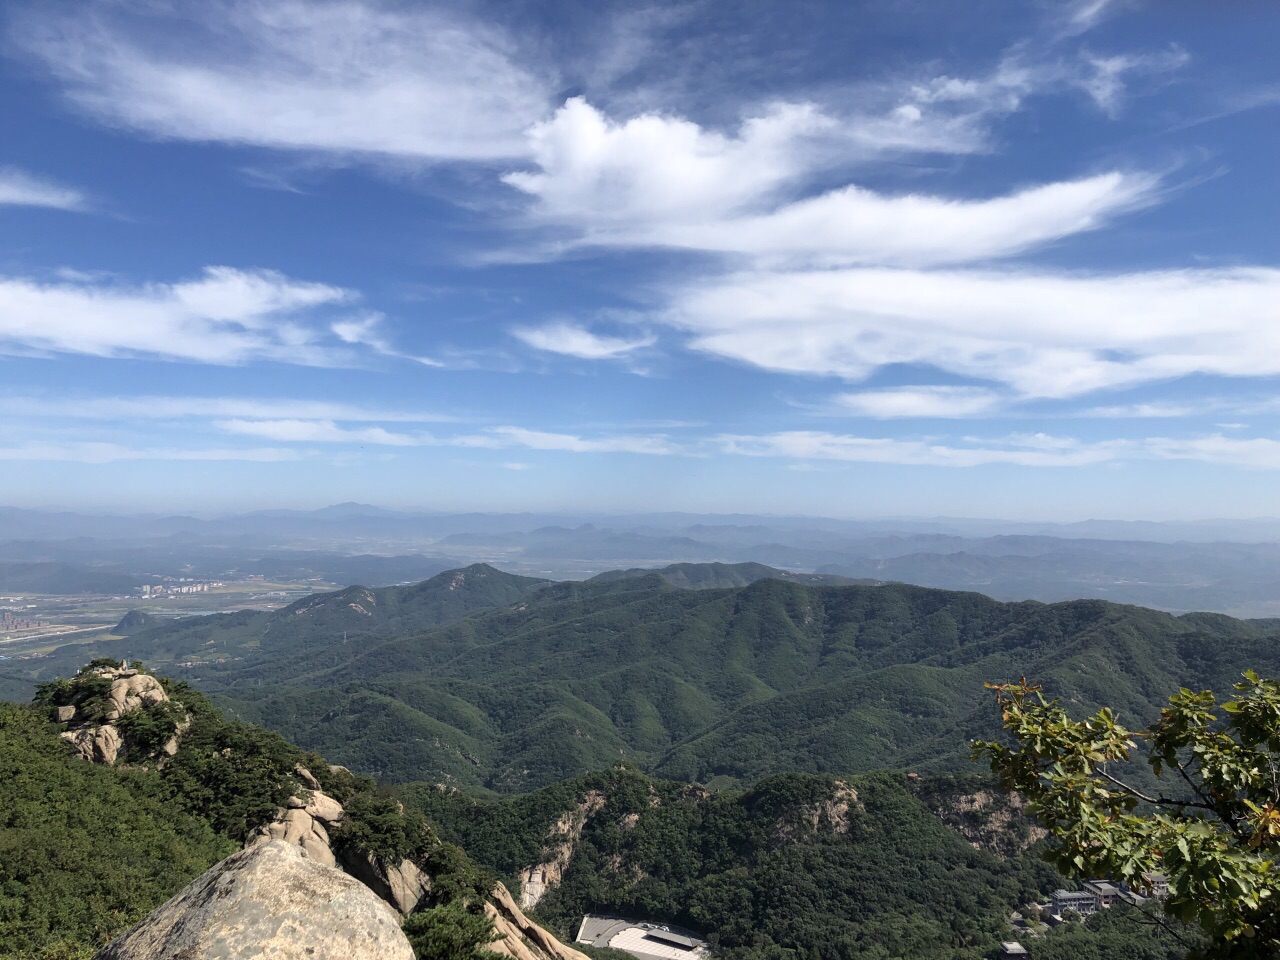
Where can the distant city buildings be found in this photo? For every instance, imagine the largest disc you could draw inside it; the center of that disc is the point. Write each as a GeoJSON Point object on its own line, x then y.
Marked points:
{"type": "Point", "coordinates": [11, 621]}
{"type": "Point", "coordinates": [177, 587]}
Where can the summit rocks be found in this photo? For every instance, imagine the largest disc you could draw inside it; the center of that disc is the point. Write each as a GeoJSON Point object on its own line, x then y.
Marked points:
{"type": "Point", "coordinates": [268, 900]}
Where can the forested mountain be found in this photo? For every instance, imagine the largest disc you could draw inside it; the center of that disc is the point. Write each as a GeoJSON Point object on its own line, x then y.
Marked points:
{"type": "Point", "coordinates": [97, 829]}
{"type": "Point", "coordinates": [117, 788]}
{"type": "Point", "coordinates": [709, 576]}
{"type": "Point", "coordinates": [534, 682]}
{"type": "Point", "coordinates": [821, 866]}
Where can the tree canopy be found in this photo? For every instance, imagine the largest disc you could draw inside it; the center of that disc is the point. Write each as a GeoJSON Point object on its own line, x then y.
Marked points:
{"type": "Point", "coordinates": [1214, 832]}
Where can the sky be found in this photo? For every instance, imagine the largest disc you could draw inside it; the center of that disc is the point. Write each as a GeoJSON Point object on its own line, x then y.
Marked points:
{"type": "Point", "coordinates": [890, 257]}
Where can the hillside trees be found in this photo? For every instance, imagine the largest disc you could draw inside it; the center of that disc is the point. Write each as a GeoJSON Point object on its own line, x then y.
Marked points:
{"type": "Point", "coordinates": [1216, 835]}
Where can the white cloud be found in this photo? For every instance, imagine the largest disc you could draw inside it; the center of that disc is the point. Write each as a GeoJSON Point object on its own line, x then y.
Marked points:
{"type": "Point", "coordinates": [653, 168]}
{"type": "Point", "coordinates": [1039, 334]}
{"type": "Point", "coordinates": [367, 331]}
{"type": "Point", "coordinates": [225, 316]}
{"type": "Point", "coordinates": [1145, 411]}
{"type": "Point", "coordinates": [667, 182]}
{"type": "Point", "coordinates": [315, 431]}
{"type": "Point", "coordinates": [500, 437]}
{"type": "Point", "coordinates": [1257, 452]}
{"type": "Point", "coordinates": [494, 438]}
{"type": "Point", "coordinates": [1104, 78]}
{"type": "Point", "coordinates": [174, 408]}
{"type": "Point", "coordinates": [22, 189]}
{"type": "Point", "coordinates": [856, 226]}
{"type": "Point", "coordinates": [930, 401]}
{"type": "Point", "coordinates": [344, 76]}
{"type": "Point", "coordinates": [95, 452]}
{"type": "Point", "coordinates": [1035, 450]}
{"type": "Point", "coordinates": [575, 341]}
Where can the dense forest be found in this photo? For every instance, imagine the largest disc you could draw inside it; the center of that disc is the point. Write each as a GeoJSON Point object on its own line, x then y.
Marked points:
{"type": "Point", "coordinates": [799, 866]}
{"type": "Point", "coordinates": [736, 739]}
{"type": "Point", "coordinates": [489, 681]}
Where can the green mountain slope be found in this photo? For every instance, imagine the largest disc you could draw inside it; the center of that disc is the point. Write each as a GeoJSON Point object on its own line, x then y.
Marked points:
{"type": "Point", "coordinates": [723, 685]}
{"type": "Point", "coordinates": [798, 866]}
{"type": "Point", "coordinates": [356, 616]}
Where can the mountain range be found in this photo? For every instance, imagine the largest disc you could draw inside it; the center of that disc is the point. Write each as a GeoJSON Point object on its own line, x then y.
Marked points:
{"type": "Point", "coordinates": [1224, 566]}
{"type": "Point", "coordinates": [495, 682]}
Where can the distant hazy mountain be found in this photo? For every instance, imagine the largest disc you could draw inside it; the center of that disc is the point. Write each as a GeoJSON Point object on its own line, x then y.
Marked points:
{"type": "Point", "coordinates": [712, 576]}
{"type": "Point", "coordinates": [1175, 566]}
{"type": "Point", "coordinates": [63, 578]}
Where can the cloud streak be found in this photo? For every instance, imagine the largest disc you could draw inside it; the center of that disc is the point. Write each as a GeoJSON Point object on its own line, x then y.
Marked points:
{"type": "Point", "coordinates": [96, 452]}
{"type": "Point", "coordinates": [342, 76]}
{"type": "Point", "coordinates": [223, 316]}
{"type": "Point", "coordinates": [1028, 450]}
{"type": "Point", "coordinates": [1036, 333]}
{"type": "Point", "coordinates": [177, 408]}
{"type": "Point", "coordinates": [22, 189]}
{"type": "Point", "coordinates": [574, 341]}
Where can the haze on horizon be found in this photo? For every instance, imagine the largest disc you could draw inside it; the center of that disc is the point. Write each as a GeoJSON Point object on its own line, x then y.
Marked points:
{"type": "Point", "coordinates": [1006, 260]}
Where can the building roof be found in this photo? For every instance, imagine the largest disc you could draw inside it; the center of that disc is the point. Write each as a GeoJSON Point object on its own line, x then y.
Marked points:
{"type": "Point", "coordinates": [646, 941]}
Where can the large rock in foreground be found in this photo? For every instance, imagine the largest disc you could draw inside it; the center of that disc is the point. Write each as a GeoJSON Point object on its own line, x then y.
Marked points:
{"type": "Point", "coordinates": [268, 900]}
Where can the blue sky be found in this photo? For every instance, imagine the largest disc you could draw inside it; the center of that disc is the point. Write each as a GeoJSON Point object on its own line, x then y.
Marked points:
{"type": "Point", "coordinates": [974, 258]}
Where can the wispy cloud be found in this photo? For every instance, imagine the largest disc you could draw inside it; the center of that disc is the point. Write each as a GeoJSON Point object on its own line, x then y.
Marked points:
{"type": "Point", "coordinates": [93, 452]}
{"type": "Point", "coordinates": [1148, 411]}
{"type": "Point", "coordinates": [657, 181]}
{"type": "Point", "coordinates": [499, 437]}
{"type": "Point", "coordinates": [206, 407]}
{"type": "Point", "coordinates": [925, 402]}
{"type": "Point", "coordinates": [1028, 450]}
{"type": "Point", "coordinates": [1106, 78]}
{"type": "Point", "coordinates": [1036, 333]}
{"type": "Point", "coordinates": [575, 341]}
{"type": "Point", "coordinates": [1033, 451]}
{"type": "Point", "coordinates": [367, 331]}
{"type": "Point", "coordinates": [19, 188]}
{"type": "Point", "coordinates": [492, 438]}
{"type": "Point", "coordinates": [316, 431]}
{"type": "Point", "coordinates": [345, 76]}
{"type": "Point", "coordinates": [223, 316]}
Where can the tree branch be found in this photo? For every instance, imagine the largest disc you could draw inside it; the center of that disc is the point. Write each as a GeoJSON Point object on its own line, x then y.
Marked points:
{"type": "Point", "coordinates": [1158, 801]}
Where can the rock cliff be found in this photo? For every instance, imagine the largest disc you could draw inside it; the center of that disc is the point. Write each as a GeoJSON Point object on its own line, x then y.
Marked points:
{"type": "Point", "coordinates": [522, 939]}
{"type": "Point", "coordinates": [94, 714]}
{"type": "Point", "coordinates": [268, 900]}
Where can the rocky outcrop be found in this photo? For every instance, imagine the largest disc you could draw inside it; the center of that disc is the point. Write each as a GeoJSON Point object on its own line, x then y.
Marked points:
{"type": "Point", "coordinates": [404, 886]}
{"type": "Point", "coordinates": [96, 744]}
{"type": "Point", "coordinates": [268, 900]}
{"type": "Point", "coordinates": [989, 819]}
{"type": "Point", "coordinates": [562, 840]}
{"type": "Point", "coordinates": [130, 690]}
{"type": "Point", "coordinates": [304, 823]}
{"type": "Point", "coordinates": [830, 815]}
{"type": "Point", "coordinates": [522, 939]}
